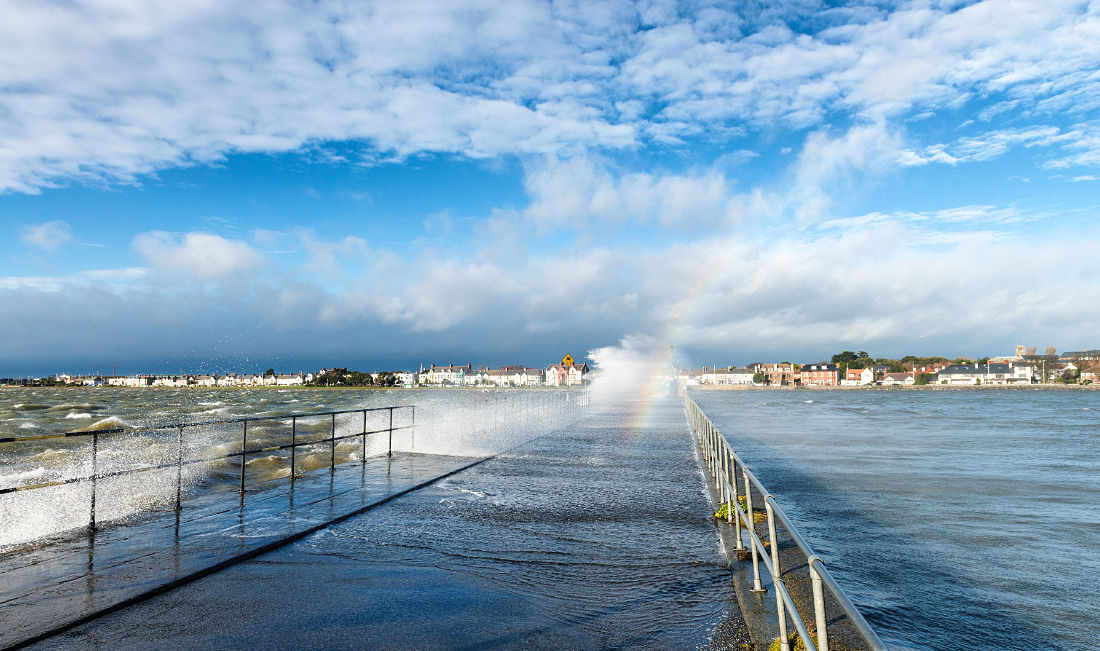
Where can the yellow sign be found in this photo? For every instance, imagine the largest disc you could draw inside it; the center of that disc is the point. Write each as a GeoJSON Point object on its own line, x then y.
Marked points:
{"type": "Point", "coordinates": [567, 360]}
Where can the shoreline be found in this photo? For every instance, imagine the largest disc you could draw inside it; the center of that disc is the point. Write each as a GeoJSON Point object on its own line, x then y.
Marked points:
{"type": "Point", "coordinates": [926, 387]}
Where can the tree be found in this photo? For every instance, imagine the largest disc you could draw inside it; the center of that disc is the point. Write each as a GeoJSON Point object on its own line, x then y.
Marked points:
{"type": "Point", "coordinates": [862, 360]}
{"type": "Point", "coordinates": [923, 379]}
{"type": "Point", "coordinates": [269, 372]}
{"type": "Point", "coordinates": [845, 357]}
{"type": "Point", "coordinates": [1051, 350]}
{"type": "Point", "coordinates": [758, 378]}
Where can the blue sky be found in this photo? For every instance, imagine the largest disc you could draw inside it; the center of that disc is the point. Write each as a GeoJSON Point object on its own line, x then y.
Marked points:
{"type": "Point", "coordinates": [385, 184]}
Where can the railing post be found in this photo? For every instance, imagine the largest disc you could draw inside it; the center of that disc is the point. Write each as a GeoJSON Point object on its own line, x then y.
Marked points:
{"type": "Point", "coordinates": [777, 577]}
{"type": "Point", "coordinates": [750, 522]}
{"type": "Point", "coordinates": [389, 451]}
{"type": "Point", "coordinates": [733, 486]}
{"type": "Point", "coordinates": [179, 467]}
{"type": "Point", "coordinates": [412, 426]}
{"type": "Point", "coordinates": [293, 445]}
{"type": "Point", "coordinates": [95, 471]}
{"type": "Point", "coordinates": [332, 447]}
{"type": "Point", "coordinates": [819, 605]}
{"type": "Point", "coordinates": [727, 480]}
{"type": "Point", "coordinates": [363, 454]}
{"type": "Point", "coordinates": [244, 446]}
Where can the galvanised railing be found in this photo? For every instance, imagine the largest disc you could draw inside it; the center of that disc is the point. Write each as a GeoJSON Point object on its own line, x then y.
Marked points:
{"type": "Point", "coordinates": [722, 466]}
{"type": "Point", "coordinates": [180, 462]}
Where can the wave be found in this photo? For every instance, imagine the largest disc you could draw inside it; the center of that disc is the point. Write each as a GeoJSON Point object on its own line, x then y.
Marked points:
{"type": "Point", "coordinates": [73, 414]}
{"type": "Point", "coordinates": [28, 426]}
{"type": "Point", "coordinates": [29, 406]}
{"type": "Point", "coordinates": [76, 406]}
{"type": "Point", "coordinates": [111, 422]}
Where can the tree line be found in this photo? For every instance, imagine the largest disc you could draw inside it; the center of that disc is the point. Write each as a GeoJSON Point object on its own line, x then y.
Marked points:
{"type": "Point", "coordinates": [342, 377]}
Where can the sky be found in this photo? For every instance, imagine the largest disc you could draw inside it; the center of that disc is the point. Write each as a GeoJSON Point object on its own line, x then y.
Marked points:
{"type": "Point", "coordinates": [204, 186]}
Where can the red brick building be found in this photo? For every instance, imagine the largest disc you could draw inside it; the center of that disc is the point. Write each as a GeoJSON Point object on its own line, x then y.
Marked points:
{"type": "Point", "coordinates": [820, 375]}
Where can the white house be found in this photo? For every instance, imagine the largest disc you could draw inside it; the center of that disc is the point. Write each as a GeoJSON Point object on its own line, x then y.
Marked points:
{"type": "Point", "coordinates": [726, 376]}
{"type": "Point", "coordinates": [449, 375]}
{"type": "Point", "coordinates": [996, 374]}
{"type": "Point", "coordinates": [858, 377]}
{"type": "Point", "coordinates": [289, 380]}
{"type": "Point", "coordinates": [572, 375]}
{"type": "Point", "coordinates": [898, 379]}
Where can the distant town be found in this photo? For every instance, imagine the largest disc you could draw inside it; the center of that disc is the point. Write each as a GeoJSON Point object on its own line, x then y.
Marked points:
{"type": "Point", "coordinates": [568, 372]}
{"type": "Point", "coordinates": [847, 368]}
{"type": "Point", "coordinates": [850, 368]}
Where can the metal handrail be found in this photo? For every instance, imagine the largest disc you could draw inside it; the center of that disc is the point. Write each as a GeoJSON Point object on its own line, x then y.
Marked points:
{"type": "Point", "coordinates": [180, 462]}
{"type": "Point", "coordinates": [199, 423]}
{"type": "Point", "coordinates": [581, 398]}
{"type": "Point", "coordinates": [721, 462]}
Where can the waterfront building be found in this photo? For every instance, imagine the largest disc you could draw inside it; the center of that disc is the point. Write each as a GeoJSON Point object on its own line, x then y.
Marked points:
{"type": "Point", "coordinates": [858, 377]}
{"type": "Point", "coordinates": [289, 380]}
{"type": "Point", "coordinates": [567, 375]}
{"type": "Point", "coordinates": [1090, 374]}
{"type": "Point", "coordinates": [820, 375]}
{"type": "Point", "coordinates": [688, 377]}
{"type": "Point", "coordinates": [130, 381]}
{"type": "Point", "coordinates": [997, 374]}
{"type": "Point", "coordinates": [726, 376]}
{"type": "Point", "coordinates": [783, 374]}
{"type": "Point", "coordinates": [450, 375]}
{"type": "Point", "coordinates": [898, 379]}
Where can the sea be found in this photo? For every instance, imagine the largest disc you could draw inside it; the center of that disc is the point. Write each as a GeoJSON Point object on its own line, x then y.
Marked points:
{"type": "Point", "coordinates": [953, 518]}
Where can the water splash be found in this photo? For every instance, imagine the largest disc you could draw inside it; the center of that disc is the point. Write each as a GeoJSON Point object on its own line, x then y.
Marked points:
{"type": "Point", "coordinates": [637, 370]}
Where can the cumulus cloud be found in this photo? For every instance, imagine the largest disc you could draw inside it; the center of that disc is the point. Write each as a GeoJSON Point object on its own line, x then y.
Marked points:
{"type": "Point", "coordinates": [48, 236]}
{"type": "Point", "coordinates": [482, 79]}
{"type": "Point", "coordinates": [195, 256]}
{"type": "Point", "coordinates": [589, 194]}
{"type": "Point", "coordinates": [722, 298]}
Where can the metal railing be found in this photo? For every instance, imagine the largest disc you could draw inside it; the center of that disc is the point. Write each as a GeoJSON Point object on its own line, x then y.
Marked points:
{"type": "Point", "coordinates": [722, 466]}
{"type": "Point", "coordinates": [180, 462]}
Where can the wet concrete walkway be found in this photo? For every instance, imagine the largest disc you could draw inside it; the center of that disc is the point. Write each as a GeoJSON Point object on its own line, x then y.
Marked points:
{"type": "Point", "coordinates": [45, 587]}
{"type": "Point", "coordinates": [596, 536]}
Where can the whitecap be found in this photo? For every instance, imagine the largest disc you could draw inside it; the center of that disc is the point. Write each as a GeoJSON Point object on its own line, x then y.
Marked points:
{"type": "Point", "coordinates": [73, 414]}
{"type": "Point", "coordinates": [807, 401]}
{"type": "Point", "coordinates": [111, 422]}
{"type": "Point", "coordinates": [28, 426]}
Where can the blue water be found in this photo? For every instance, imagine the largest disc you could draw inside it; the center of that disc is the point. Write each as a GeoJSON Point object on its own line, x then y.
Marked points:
{"type": "Point", "coordinates": [954, 519]}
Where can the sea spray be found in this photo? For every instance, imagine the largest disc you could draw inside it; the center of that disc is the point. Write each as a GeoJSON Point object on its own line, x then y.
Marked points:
{"type": "Point", "coordinates": [638, 368]}
{"type": "Point", "coordinates": [472, 423]}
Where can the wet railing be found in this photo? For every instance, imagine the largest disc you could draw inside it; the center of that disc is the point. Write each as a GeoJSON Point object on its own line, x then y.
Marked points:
{"type": "Point", "coordinates": [723, 465]}
{"type": "Point", "coordinates": [179, 462]}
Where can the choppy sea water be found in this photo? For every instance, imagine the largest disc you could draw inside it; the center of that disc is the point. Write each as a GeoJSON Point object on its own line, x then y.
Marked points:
{"type": "Point", "coordinates": [954, 519]}
{"type": "Point", "coordinates": [464, 423]}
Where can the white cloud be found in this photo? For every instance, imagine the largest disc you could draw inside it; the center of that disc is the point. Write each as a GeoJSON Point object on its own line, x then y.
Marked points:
{"type": "Point", "coordinates": [482, 79]}
{"type": "Point", "coordinates": [587, 194]}
{"type": "Point", "coordinates": [880, 282]}
{"type": "Point", "coordinates": [48, 236]}
{"type": "Point", "coordinates": [197, 256]}
{"type": "Point", "coordinates": [828, 165]}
